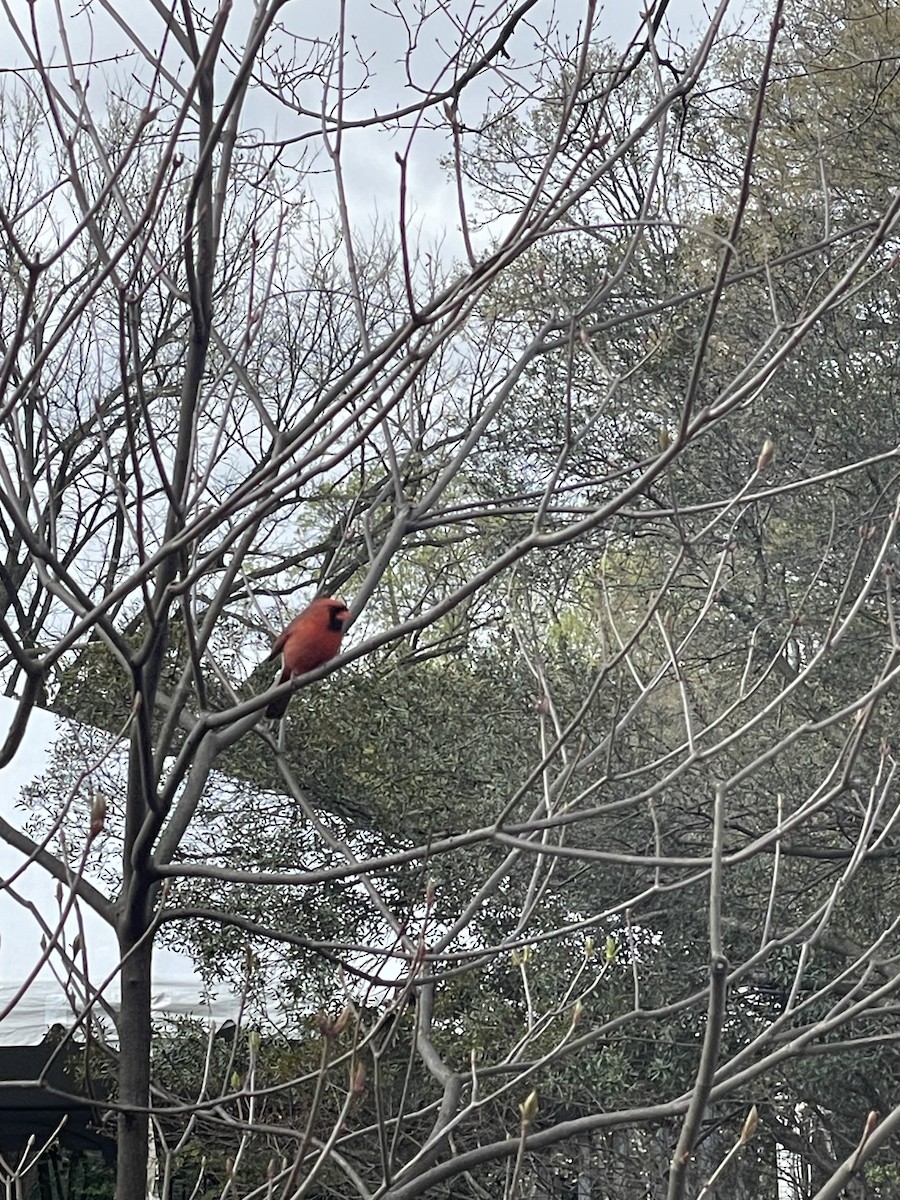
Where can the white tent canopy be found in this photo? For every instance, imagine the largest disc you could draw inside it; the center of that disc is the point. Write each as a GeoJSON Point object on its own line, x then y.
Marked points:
{"type": "Point", "coordinates": [36, 995]}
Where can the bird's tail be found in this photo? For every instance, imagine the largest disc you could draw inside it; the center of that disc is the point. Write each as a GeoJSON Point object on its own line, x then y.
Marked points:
{"type": "Point", "coordinates": [278, 707]}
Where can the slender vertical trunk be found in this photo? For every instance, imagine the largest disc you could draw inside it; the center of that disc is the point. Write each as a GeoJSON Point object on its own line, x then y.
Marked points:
{"type": "Point", "coordinates": [143, 816]}
{"type": "Point", "coordinates": [134, 1063]}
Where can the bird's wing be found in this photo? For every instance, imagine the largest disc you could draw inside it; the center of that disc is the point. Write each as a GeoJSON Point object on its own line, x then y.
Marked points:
{"type": "Point", "coordinates": [278, 644]}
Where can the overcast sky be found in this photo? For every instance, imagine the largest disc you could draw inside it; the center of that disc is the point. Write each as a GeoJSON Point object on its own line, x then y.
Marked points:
{"type": "Point", "coordinates": [372, 173]}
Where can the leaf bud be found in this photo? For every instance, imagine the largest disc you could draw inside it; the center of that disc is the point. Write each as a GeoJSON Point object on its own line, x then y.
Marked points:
{"type": "Point", "coordinates": [765, 455]}
{"type": "Point", "coordinates": [98, 814]}
{"type": "Point", "coordinates": [529, 1108]}
{"type": "Point", "coordinates": [749, 1127]}
{"type": "Point", "coordinates": [346, 1015]}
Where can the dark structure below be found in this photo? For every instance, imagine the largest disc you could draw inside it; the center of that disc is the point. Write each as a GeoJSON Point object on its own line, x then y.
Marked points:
{"type": "Point", "coordinates": [41, 1086]}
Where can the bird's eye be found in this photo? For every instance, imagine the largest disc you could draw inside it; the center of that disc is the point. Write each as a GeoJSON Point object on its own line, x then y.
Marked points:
{"type": "Point", "coordinates": [339, 617]}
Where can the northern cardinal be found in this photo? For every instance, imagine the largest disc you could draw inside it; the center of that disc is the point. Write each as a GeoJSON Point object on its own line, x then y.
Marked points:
{"type": "Point", "coordinates": [310, 640]}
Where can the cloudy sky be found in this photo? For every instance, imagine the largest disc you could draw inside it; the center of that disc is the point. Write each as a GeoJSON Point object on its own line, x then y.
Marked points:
{"type": "Point", "coordinates": [400, 64]}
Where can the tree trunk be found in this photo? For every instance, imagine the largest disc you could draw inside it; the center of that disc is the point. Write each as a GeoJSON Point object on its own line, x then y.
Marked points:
{"type": "Point", "coordinates": [134, 1065]}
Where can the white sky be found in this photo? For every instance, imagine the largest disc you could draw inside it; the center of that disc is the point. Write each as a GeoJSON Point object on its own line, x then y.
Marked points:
{"type": "Point", "coordinates": [371, 171]}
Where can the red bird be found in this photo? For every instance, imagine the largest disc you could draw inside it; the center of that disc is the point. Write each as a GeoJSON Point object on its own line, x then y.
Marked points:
{"type": "Point", "coordinates": [310, 640]}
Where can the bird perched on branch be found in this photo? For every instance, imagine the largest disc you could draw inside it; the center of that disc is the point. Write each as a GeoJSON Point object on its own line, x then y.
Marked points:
{"type": "Point", "coordinates": [309, 641]}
